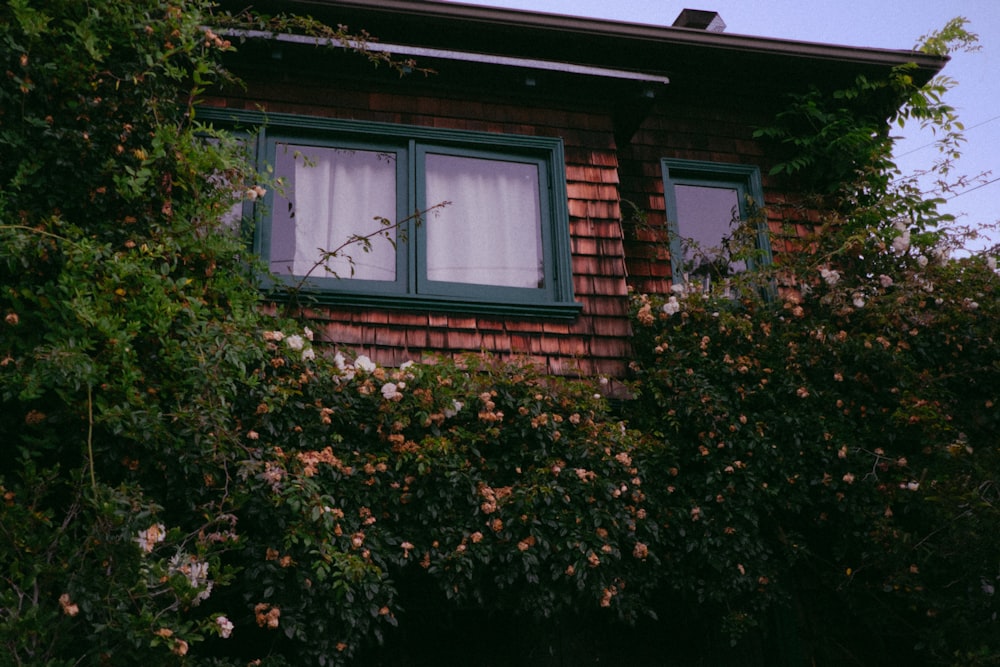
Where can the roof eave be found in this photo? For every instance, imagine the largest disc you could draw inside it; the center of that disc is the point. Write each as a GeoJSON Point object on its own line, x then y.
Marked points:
{"type": "Point", "coordinates": [638, 32]}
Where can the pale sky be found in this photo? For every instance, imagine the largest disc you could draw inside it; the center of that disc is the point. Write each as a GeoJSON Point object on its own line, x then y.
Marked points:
{"type": "Point", "coordinates": [893, 24]}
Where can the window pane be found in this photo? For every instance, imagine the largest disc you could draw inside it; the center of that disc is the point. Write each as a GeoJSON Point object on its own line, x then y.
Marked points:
{"type": "Point", "coordinates": [330, 196]}
{"type": "Point", "coordinates": [706, 219]}
{"type": "Point", "coordinates": [490, 233]}
{"type": "Point", "coordinates": [228, 181]}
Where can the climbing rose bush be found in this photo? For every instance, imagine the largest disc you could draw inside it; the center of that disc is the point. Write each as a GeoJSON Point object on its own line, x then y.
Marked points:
{"type": "Point", "coordinates": [831, 444]}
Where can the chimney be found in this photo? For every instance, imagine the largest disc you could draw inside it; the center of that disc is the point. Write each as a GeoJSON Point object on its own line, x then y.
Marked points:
{"type": "Point", "coordinates": [700, 19]}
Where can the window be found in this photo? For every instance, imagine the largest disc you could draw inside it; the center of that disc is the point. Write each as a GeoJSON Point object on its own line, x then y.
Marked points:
{"type": "Point", "coordinates": [713, 220]}
{"type": "Point", "coordinates": [453, 220]}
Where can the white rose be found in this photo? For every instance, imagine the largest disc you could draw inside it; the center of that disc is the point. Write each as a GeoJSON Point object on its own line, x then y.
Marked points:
{"type": "Point", "coordinates": [363, 363]}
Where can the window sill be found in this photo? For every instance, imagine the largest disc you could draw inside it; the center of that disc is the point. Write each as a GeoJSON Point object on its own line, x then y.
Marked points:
{"type": "Point", "coordinates": [437, 304]}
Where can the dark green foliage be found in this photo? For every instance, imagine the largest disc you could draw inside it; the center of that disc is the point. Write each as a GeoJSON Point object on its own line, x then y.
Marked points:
{"type": "Point", "coordinates": [840, 450]}
{"type": "Point", "coordinates": [124, 348]}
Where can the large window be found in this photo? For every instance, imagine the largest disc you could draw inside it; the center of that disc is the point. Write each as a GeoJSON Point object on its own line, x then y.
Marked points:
{"type": "Point", "coordinates": [714, 221]}
{"type": "Point", "coordinates": [443, 219]}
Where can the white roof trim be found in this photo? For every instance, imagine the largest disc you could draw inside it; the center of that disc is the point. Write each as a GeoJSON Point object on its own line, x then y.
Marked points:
{"type": "Point", "coordinates": [448, 54]}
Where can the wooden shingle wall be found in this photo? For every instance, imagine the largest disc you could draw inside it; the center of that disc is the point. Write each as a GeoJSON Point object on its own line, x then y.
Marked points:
{"type": "Point", "coordinates": [606, 185]}
{"type": "Point", "coordinates": [594, 343]}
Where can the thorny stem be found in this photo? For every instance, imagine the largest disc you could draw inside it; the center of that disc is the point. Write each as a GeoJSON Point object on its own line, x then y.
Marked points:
{"type": "Point", "coordinates": [90, 437]}
{"type": "Point", "coordinates": [364, 241]}
{"type": "Point", "coordinates": [41, 232]}
{"type": "Point", "coordinates": [326, 255]}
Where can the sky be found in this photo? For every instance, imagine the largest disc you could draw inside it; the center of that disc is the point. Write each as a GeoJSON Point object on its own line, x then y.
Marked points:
{"type": "Point", "coordinates": [892, 24]}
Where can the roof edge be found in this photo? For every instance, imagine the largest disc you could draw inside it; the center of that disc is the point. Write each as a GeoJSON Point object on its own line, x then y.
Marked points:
{"type": "Point", "coordinates": [642, 32]}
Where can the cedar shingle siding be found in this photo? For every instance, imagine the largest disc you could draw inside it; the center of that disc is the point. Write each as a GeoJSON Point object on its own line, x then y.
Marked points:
{"type": "Point", "coordinates": [595, 342]}
{"type": "Point", "coordinates": [614, 139]}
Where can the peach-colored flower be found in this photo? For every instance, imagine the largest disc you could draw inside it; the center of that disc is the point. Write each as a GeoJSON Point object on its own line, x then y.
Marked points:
{"type": "Point", "coordinates": [645, 315]}
{"type": "Point", "coordinates": [266, 615]}
{"type": "Point", "coordinates": [273, 474]}
{"type": "Point", "coordinates": [148, 538]}
{"type": "Point", "coordinates": [34, 417]}
{"type": "Point", "coordinates": [68, 606]}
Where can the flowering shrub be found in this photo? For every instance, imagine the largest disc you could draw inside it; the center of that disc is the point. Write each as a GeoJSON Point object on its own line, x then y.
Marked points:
{"type": "Point", "coordinates": [839, 440]}
{"type": "Point", "coordinates": [484, 477]}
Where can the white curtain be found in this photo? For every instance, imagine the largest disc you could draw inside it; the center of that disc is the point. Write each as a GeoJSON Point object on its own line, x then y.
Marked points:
{"type": "Point", "coordinates": [490, 232]}
{"type": "Point", "coordinates": [335, 194]}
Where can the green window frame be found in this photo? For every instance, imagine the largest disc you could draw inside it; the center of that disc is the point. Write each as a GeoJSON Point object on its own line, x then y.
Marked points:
{"type": "Point", "coordinates": [442, 260]}
{"type": "Point", "coordinates": [697, 195]}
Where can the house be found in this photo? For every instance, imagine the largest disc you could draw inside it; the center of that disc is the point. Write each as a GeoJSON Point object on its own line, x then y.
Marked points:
{"type": "Point", "coordinates": [545, 136]}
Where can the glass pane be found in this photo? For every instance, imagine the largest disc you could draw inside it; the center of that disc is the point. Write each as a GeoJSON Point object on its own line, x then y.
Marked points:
{"type": "Point", "coordinates": [490, 233]}
{"type": "Point", "coordinates": [333, 195]}
{"type": "Point", "coordinates": [228, 181]}
{"type": "Point", "coordinates": [707, 217]}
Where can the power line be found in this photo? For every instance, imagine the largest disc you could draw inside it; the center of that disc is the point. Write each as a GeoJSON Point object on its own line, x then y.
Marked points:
{"type": "Point", "coordinates": [981, 185]}
{"type": "Point", "coordinates": [934, 143]}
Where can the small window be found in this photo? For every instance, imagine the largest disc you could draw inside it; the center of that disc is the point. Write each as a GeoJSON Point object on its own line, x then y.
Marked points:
{"type": "Point", "coordinates": [451, 220]}
{"type": "Point", "coordinates": [714, 221]}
